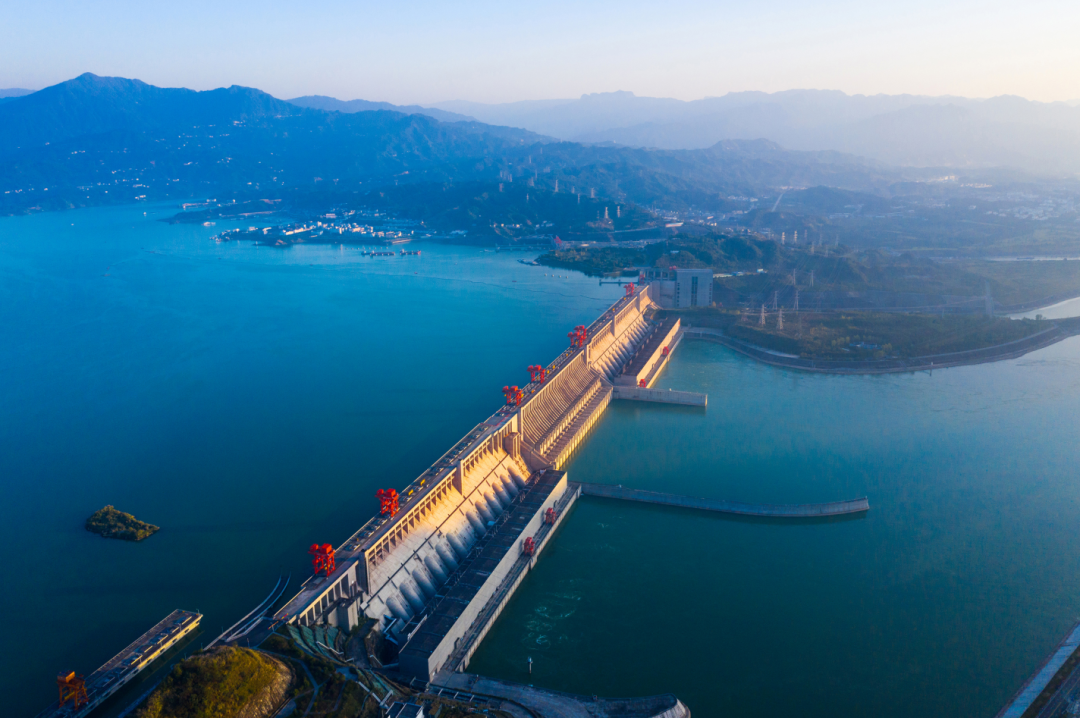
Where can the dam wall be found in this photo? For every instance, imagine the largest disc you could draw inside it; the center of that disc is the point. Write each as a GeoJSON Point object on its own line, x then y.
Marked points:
{"type": "Point", "coordinates": [644, 367]}
{"type": "Point", "coordinates": [438, 633]}
{"type": "Point", "coordinates": [395, 567]}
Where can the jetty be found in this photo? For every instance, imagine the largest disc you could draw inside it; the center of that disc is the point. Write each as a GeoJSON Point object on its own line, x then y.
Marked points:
{"type": "Point", "coordinates": [79, 695]}
{"type": "Point", "coordinates": [833, 508]}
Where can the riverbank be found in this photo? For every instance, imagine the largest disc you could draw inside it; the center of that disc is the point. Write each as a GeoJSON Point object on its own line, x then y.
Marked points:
{"type": "Point", "coordinates": [1062, 329]}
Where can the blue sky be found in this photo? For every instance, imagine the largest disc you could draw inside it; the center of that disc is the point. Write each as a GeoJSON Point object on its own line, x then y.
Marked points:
{"type": "Point", "coordinates": [417, 51]}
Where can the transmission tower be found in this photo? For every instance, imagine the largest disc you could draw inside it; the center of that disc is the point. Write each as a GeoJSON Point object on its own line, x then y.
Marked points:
{"type": "Point", "coordinates": [775, 297]}
{"type": "Point", "coordinates": [811, 277]}
{"type": "Point", "coordinates": [796, 300]}
{"type": "Point", "coordinates": [762, 322]}
{"type": "Point", "coordinates": [780, 320]}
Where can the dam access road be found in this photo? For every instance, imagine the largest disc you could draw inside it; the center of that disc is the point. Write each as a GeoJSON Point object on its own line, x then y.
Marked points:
{"type": "Point", "coordinates": [437, 566]}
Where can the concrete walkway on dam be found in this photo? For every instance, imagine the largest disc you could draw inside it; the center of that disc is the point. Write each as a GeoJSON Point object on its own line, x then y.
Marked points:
{"type": "Point", "coordinates": [833, 508]}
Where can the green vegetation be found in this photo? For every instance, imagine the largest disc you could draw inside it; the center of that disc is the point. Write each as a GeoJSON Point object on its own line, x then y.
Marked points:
{"type": "Point", "coordinates": [341, 696]}
{"type": "Point", "coordinates": [832, 269]}
{"type": "Point", "coordinates": [863, 335]}
{"type": "Point", "coordinates": [1018, 283]}
{"type": "Point", "coordinates": [225, 682]}
{"type": "Point", "coordinates": [719, 250]}
{"type": "Point", "coordinates": [110, 523]}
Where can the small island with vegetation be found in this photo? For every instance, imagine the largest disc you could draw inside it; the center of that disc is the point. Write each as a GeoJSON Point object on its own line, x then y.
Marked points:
{"type": "Point", "coordinates": [111, 523]}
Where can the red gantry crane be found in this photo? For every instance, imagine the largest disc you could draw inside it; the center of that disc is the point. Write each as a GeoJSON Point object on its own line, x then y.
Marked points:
{"type": "Point", "coordinates": [578, 337]}
{"type": "Point", "coordinates": [538, 373]}
{"type": "Point", "coordinates": [322, 558]}
{"type": "Point", "coordinates": [513, 395]}
{"type": "Point", "coordinates": [388, 501]}
{"type": "Point", "coordinates": [72, 688]}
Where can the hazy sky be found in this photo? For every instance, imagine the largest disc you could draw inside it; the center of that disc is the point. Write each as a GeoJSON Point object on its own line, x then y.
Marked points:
{"type": "Point", "coordinates": [417, 51]}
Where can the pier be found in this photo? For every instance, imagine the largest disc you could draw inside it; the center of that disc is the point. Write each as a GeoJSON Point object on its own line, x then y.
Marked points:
{"type": "Point", "coordinates": [833, 508]}
{"type": "Point", "coordinates": [79, 696]}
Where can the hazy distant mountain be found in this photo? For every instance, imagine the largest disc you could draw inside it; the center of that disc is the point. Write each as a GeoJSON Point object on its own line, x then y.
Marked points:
{"type": "Point", "coordinates": [14, 92]}
{"type": "Point", "coordinates": [332, 104]}
{"type": "Point", "coordinates": [90, 105]}
{"type": "Point", "coordinates": [95, 139]}
{"type": "Point", "coordinates": [901, 129]}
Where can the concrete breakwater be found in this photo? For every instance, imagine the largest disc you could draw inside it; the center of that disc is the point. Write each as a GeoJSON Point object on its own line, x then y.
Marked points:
{"type": "Point", "coordinates": [435, 569]}
{"type": "Point", "coordinates": [833, 508]}
{"type": "Point", "coordinates": [637, 393]}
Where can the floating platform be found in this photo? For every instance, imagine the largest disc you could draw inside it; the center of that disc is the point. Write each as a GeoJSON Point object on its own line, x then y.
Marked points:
{"type": "Point", "coordinates": [128, 663]}
{"type": "Point", "coordinates": [834, 508]}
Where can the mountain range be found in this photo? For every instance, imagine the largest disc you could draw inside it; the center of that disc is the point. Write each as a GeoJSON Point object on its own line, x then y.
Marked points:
{"type": "Point", "coordinates": [906, 130]}
{"type": "Point", "coordinates": [94, 136]}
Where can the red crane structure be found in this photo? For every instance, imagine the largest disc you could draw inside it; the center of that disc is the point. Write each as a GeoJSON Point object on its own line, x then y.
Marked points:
{"type": "Point", "coordinates": [388, 501]}
{"type": "Point", "coordinates": [578, 337]}
{"type": "Point", "coordinates": [322, 558]}
{"type": "Point", "coordinates": [528, 546]}
{"type": "Point", "coordinates": [549, 517]}
{"type": "Point", "coordinates": [72, 688]}
{"type": "Point", "coordinates": [538, 373]}
{"type": "Point", "coordinates": [667, 350]}
{"type": "Point", "coordinates": [642, 384]}
{"type": "Point", "coordinates": [513, 395]}
{"type": "Point", "coordinates": [630, 289]}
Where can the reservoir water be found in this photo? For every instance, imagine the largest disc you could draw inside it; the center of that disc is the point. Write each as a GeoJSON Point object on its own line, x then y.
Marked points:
{"type": "Point", "coordinates": [251, 400]}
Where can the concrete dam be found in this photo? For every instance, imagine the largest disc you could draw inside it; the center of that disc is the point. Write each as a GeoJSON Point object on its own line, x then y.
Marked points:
{"type": "Point", "coordinates": [435, 568]}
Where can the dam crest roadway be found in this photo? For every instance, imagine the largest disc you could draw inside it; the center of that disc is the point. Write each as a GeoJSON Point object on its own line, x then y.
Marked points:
{"type": "Point", "coordinates": [436, 567]}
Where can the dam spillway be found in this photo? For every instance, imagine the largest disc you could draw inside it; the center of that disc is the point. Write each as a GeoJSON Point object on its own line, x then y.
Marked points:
{"type": "Point", "coordinates": [435, 572]}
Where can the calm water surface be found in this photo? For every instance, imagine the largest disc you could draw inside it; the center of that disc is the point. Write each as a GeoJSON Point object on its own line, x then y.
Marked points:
{"type": "Point", "coordinates": [247, 400]}
{"type": "Point", "coordinates": [940, 602]}
{"type": "Point", "coordinates": [250, 401]}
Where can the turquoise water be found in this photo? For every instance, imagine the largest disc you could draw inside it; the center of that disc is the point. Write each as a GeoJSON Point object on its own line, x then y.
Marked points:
{"type": "Point", "coordinates": [251, 400]}
{"type": "Point", "coordinates": [940, 602]}
{"type": "Point", "coordinates": [247, 400]}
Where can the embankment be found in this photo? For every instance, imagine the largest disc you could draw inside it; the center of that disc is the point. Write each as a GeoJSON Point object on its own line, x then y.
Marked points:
{"type": "Point", "coordinates": [1061, 329]}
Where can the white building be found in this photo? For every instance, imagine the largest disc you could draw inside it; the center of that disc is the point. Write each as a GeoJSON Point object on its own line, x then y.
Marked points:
{"type": "Point", "coordinates": [680, 288]}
